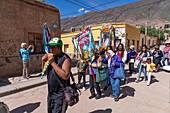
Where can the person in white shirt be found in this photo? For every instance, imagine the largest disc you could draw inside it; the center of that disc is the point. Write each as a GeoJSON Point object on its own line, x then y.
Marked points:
{"type": "Point", "coordinates": [149, 68]}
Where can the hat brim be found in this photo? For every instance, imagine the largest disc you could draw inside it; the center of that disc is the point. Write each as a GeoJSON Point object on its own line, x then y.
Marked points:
{"type": "Point", "coordinates": [167, 43]}
{"type": "Point", "coordinates": [51, 44]}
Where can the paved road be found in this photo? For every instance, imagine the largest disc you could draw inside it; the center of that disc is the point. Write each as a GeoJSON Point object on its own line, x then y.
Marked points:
{"type": "Point", "coordinates": [134, 98]}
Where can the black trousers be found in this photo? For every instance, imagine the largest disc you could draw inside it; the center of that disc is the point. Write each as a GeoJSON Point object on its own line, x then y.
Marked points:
{"type": "Point", "coordinates": [56, 104]}
{"type": "Point", "coordinates": [80, 74]}
{"type": "Point", "coordinates": [131, 67]}
{"type": "Point", "coordinates": [93, 85]}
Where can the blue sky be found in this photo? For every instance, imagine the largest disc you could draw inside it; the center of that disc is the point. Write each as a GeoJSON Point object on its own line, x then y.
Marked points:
{"type": "Point", "coordinates": [72, 8]}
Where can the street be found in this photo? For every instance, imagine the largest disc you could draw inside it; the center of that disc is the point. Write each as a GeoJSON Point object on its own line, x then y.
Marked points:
{"type": "Point", "coordinates": [134, 98]}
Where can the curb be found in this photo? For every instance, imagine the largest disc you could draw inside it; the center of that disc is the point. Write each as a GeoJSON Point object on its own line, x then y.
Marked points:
{"type": "Point", "coordinates": [15, 88]}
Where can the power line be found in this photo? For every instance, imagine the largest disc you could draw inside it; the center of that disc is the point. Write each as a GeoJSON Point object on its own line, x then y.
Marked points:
{"type": "Point", "coordinates": [85, 5]}
{"type": "Point", "coordinates": [76, 4]}
{"type": "Point", "coordinates": [94, 1]}
{"type": "Point", "coordinates": [86, 8]}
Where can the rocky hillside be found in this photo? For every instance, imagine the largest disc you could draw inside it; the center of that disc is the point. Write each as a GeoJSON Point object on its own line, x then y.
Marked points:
{"type": "Point", "coordinates": [156, 12]}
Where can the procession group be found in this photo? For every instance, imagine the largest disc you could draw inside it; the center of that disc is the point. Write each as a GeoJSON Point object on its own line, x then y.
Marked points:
{"type": "Point", "coordinates": [110, 62]}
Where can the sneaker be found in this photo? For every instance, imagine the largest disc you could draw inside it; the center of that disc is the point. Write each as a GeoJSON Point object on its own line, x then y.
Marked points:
{"type": "Point", "coordinates": [137, 80]}
{"type": "Point", "coordinates": [105, 88]}
{"type": "Point", "coordinates": [92, 96]}
{"type": "Point", "coordinates": [79, 85]}
{"type": "Point", "coordinates": [125, 82]}
{"type": "Point", "coordinates": [144, 79]}
{"type": "Point", "coordinates": [98, 96]}
{"type": "Point", "coordinates": [25, 78]}
{"type": "Point", "coordinates": [84, 88]}
{"type": "Point", "coordinates": [112, 96]}
{"type": "Point", "coordinates": [116, 99]}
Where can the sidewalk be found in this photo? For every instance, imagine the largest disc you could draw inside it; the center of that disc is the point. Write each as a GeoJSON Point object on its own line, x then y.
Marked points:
{"type": "Point", "coordinates": [16, 84]}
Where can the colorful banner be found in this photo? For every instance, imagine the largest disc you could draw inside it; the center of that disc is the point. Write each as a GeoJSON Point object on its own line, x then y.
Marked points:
{"type": "Point", "coordinates": [84, 44]}
{"type": "Point", "coordinates": [85, 47]}
{"type": "Point", "coordinates": [46, 39]}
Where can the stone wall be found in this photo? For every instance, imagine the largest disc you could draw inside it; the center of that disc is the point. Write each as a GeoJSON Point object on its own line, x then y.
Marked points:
{"type": "Point", "coordinates": [18, 18]}
{"type": "Point", "coordinates": [12, 66]}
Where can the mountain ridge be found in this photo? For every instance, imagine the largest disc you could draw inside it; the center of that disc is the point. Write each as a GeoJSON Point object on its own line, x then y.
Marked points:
{"type": "Point", "coordinates": [152, 12]}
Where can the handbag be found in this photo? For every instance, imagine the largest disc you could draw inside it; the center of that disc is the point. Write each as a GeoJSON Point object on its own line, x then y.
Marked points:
{"type": "Point", "coordinates": [137, 62]}
{"type": "Point", "coordinates": [71, 92]}
{"type": "Point", "coordinates": [119, 73]}
{"type": "Point", "coordinates": [101, 75]}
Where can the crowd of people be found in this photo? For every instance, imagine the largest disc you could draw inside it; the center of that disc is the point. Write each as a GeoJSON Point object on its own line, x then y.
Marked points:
{"type": "Point", "coordinates": [146, 61]}
{"type": "Point", "coordinates": [108, 60]}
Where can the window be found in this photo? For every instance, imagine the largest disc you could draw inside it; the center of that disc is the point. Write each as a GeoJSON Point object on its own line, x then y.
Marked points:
{"type": "Point", "coordinates": [128, 43]}
{"type": "Point", "coordinates": [66, 49]}
{"type": "Point", "coordinates": [133, 42]}
{"type": "Point", "coordinates": [138, 45]}
{"type": "Point", "coordinates": [142, 41]}
{"type": "Point", "coordinates": [149, 42]}
{"type": "Point", "coordinates": [36, 39]}
{"type": "Point", "coordinates": [152, 42]}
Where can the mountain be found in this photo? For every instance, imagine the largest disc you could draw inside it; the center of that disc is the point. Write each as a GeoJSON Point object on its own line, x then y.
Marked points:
{"type": "Point", "coordinates": [152, 12]}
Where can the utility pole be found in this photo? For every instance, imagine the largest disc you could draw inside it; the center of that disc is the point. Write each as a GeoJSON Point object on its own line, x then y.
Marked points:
{"type": "Point", "coordinates": [82, 23]}
{"type": "Point", "coordinates": [146, 30]}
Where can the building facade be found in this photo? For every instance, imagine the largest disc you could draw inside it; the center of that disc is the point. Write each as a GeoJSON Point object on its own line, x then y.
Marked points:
{"type": "Point", "coordinates": [131, 37]}
{"type": "Point", "coordinates": [22, 21]}
{"type": "Point", "coordinates": [150, 41]}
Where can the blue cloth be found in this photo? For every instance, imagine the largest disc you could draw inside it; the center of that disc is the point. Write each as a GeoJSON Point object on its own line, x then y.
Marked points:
{"type": "Point", "coordinates": [25, 54]}
{"type": "Point", "coordinates": [159, 53]}
{"type": "Point", "coordinates": [164, 61]}
{"type": "Point", "coordinates": [130, 54]}
{"type": "Point", "coordinates": [118, 61]}
{"type": "Point", "coordinates": [94, 69]}
{"type": "Point", "coordinates": [115, 82]}
{"type": "Point", "coordinates": [20, 53]}
{"type": "Point", "coordinates": [105, 60]}
{"type": "Point", "coordinates": [140, 71]}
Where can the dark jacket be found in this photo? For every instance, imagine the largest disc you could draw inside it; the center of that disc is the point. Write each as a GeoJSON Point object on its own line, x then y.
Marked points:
{"type": "Point", "coordinates": [159, 53]}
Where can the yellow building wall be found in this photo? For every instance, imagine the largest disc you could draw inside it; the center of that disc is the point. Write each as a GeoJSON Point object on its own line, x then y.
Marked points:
{"type": "Point", "coordinates": [133, 34]}
{"type": "Point", "coordinates": [67, 40]}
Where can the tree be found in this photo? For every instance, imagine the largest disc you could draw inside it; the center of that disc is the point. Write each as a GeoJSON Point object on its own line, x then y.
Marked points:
{"type": "Point", "coordinates": [154, 32]}
{"type": "Point", "coordinates": [166, 26]}
{"type": "Point", "coordinates": [142, 29]}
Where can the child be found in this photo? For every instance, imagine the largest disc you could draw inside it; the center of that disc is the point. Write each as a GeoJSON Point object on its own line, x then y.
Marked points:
{"type": "Point", "coordinates": [149, 68]}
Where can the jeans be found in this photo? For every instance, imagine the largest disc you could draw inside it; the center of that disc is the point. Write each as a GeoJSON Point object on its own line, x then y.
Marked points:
{"type": "Point", "coordinates": [115, 82]}
{"type": "Point", "coordinates": [149, 77]}
{"type": "Point", "coordinates": [108, 77]}
{"type": "Point", "coordinates": [93, 85]}
{"type": "Point", "coordinates": [140, 71]}
{"type": "Point", "coordinates": [164, 61]}
{"type": "Point", "coordinates": [80, 74]}
{"type": "Point", "coordinates": [131, 67]}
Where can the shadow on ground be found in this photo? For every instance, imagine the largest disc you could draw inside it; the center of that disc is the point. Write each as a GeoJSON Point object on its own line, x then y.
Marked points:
{"type": "Point", "coordinates": [153, 80]}
{"type": "Point", "coordinates": [4, 82]}
{"type": "Point", "coordinates": [102, 111]}
{"type": "Point", "coordinates": [127, 91]}
{"type": "Point", "coordinates": [28, 108]}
